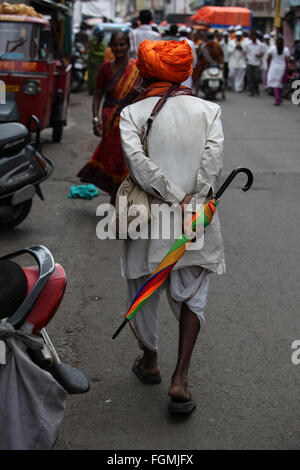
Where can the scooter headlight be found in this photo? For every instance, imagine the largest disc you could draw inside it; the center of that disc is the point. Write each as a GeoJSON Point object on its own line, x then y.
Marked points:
{"type": "Point", "coordinates": [213, 71]}
{"type": "Point", "coordinates": [31, 87]}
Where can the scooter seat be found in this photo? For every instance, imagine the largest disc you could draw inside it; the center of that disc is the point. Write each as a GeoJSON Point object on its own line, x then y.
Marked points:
{"type": "Point", "coordinates": [13, 287]}
{"type": "Point", "coordinates": [13, 136]}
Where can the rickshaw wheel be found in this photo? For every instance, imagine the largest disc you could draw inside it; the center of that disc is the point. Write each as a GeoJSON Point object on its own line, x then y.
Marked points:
{"type": "Point", "coordinates": [16, 215]}
{"type": "Point", "coordinates": [57, 131]}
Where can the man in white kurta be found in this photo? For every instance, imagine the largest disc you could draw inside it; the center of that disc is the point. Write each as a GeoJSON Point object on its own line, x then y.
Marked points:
{"type": "Point", "coordinates": [185, 148]}
{"type": "Point", "coordinates": [237, 62]}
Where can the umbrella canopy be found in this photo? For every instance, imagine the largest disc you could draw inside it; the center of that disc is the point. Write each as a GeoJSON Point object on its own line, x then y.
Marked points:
{"type": "Point", "coordinates": [204, 217]}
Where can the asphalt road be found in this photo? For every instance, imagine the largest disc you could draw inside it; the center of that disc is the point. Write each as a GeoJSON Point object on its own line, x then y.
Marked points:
{"type": "Point", "coordinates": [242, 376]}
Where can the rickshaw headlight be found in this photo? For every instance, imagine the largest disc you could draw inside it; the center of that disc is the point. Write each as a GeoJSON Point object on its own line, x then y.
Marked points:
{"type": "Point", "coordinates": [31, 87]}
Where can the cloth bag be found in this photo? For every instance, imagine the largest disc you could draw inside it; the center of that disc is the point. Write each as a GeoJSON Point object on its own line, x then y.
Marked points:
{"type": "Point", "coordinates": [137, 200]}
{"type": "Point", "coordinates": [32, 403]}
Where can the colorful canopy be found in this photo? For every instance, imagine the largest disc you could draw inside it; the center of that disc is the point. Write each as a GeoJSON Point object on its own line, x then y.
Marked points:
{"type": "Point", "coordinates": [223, 16]}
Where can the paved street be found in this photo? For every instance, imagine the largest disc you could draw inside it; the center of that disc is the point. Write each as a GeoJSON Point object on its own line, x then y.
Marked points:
{"type": "Point", "coordinates": [242, 376]}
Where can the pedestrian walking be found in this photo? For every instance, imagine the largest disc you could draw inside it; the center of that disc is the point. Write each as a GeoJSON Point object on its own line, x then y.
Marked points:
{"type": "Point", "coordinates": [237, 62]}
{"type": "Point", "coordinates": [209, 53]}
{"type": "Point", "coordinates": [278, 59]}
{"type": "Point", "coordinates": [254, 51]}
{"type": "Point", "coordinates": [185, 34]}
{"type": "Point", "coordinates": [177, 172]}
{"type": "Point", "coordinates": [264, 61]}
{"type": "Point", "coordinates": [224, 44]}
{"type": "Point", "coordinates": [172, 34]}
{"type": "Point", "coordinates": [119, 83]}
{"type": "Point", "coordinates": [96, 52]}
{"type": "Point", "coordinates": [145, 31]}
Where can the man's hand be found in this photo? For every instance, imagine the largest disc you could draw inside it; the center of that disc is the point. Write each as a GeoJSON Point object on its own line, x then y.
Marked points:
{"type": "Point", "coordinates": [186, 217]}
{"type": "Point", "coordinates": [186, 200]}
{"type": "Point", "coordinates": [97, 128]}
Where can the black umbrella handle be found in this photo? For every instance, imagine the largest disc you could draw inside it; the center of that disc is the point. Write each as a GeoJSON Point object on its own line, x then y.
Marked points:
{"type": "Point", "coordinates": [232, 176]}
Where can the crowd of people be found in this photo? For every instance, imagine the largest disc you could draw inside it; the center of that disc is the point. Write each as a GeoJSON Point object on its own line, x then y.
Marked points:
{"type": "Point", "coordinates": [248, 60]}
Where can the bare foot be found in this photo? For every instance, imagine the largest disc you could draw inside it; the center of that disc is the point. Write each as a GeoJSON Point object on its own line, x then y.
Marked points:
{"type": "Point", "coordinates": [148, 363]}
{"type": "Point", "coordinates": [179, 389]}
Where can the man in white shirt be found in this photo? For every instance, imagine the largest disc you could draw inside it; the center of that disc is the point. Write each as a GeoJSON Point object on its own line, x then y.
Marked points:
{"type": "Point", "coordinates": [224, 44]}
{"type": "Point", "coordinates": [237, 62]}
{"type": "Point", "coordinates": [264, 63]}
{"type": "Point", "coordinates": [184, 34]}
{"type": "Point", "coordinates": [184, 165]}
{"type": "Point", "coordinates": [145, 31]}
{"type": "Point", "coordinates": [254, 51]}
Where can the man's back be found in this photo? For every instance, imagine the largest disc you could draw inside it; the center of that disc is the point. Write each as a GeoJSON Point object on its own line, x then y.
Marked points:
{"type": "Point", "coordinates": [215, 51]}
{"type": "Point", "coordinates": [178, 135]}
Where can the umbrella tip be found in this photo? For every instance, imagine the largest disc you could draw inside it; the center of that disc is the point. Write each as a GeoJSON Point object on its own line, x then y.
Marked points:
{"type": "Point", "coordinates": [120, 329]}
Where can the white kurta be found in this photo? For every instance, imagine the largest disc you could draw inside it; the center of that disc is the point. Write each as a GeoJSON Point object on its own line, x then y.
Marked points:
{"type": "Point", "coordinates": [237, 58]}
{"type": "Point", "coordinates": [277, 67]}
{"type": "Point", "coordinates": [185, 146]}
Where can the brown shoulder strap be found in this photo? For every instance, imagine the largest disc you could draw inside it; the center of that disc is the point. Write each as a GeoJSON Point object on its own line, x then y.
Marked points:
{"type": "Point", "coordinates": [155, 111]}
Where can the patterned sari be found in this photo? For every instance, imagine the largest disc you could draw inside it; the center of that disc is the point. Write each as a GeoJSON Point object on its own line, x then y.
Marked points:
{"type": "Point", "coordinates": [107, 168]}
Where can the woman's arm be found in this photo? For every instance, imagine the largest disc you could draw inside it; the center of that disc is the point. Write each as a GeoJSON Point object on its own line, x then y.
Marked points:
{"type": "Point", "coordinates": [97, 124]}
{"type": "Point", "coordinates": [269, 58]}
{"type": "Point", "coordinates": [98, 95]}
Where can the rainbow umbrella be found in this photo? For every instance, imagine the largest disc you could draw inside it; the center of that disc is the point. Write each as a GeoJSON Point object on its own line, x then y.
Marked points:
{"type": "Point", "coordinates": [203, 217]}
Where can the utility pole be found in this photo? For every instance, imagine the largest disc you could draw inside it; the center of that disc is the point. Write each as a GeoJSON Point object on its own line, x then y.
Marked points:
{"type": "Point", "coordinates": [277, 19]}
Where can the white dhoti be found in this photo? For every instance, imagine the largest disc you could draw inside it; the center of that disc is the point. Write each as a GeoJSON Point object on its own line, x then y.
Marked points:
{"type": "Point", "coordinates": [186, 285]}
{"type": "Point", "coordinates": [237, 77]}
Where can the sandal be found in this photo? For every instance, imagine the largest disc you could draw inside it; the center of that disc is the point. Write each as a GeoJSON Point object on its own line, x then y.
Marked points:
{"type": "Point", "coordinates": [148, 379]}
{"type": "Point", "coordinates": [182, 405]}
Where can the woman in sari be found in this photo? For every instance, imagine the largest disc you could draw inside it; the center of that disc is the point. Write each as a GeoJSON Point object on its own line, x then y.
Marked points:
{"type": "Point", "coordinates": [119, 82]}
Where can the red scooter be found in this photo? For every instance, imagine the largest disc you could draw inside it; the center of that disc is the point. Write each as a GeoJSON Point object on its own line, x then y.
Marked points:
{"type": "Point", "coordinates": [29, 298]}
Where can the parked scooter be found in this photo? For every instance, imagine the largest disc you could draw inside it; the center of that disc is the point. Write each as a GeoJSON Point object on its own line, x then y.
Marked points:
{"type": "Point", "coordinates": [212, 82]}
{"type": "Point", "coordinates": [79, 67]}
{"type": "Point", "coordinates": [22, 170]}
{"type": "Point", "coordinates": [293, 73]}
{"type": "Point", "coordinates": [34, 300]}
{"type": "Point", "coordinates": [33, 380]}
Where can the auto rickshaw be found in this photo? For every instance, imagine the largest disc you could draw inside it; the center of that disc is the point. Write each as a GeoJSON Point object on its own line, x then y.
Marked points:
{"type": "Point", "coordinates": [34, 70]}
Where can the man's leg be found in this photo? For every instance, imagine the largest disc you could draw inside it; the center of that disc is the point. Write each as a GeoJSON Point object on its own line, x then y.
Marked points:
{"type": "Point", "coordinates": [250, 78]}
{"type": "Point", "coordinates": [240, 80]}
{"type": "Point", "coordinates": [189, 326]}
{"type": "Point", "coordinates": [277, 96]}
{"type": "Point", "coordinates": [145, 327]}
{"type": "Point", "coordinates": [257, 78]}
{"type": "Point", "coordinates": [187, 292]}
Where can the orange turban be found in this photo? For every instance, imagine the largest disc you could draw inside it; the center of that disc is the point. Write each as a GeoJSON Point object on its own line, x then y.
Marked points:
{"type": "Point", "coordinates": [165, 60]}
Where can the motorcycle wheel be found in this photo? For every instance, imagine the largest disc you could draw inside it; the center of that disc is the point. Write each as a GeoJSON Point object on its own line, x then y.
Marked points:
{"type": "Point", "coordinates": [76, 86]}
{"type": "Point", "coordinates": [15, 215]}
{"type": "Point", "coordinates": [57, 131]}
{"type": "Point", "coordinates": [77, 82]}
